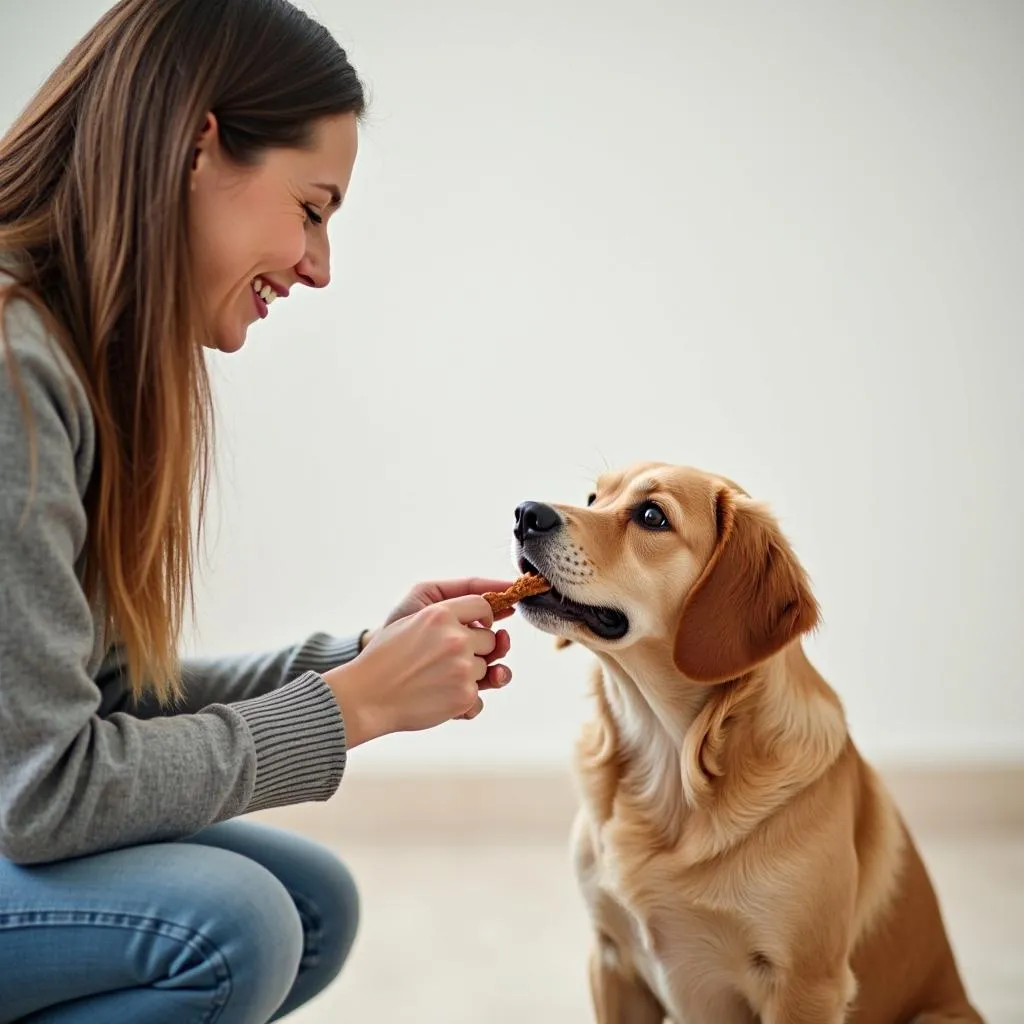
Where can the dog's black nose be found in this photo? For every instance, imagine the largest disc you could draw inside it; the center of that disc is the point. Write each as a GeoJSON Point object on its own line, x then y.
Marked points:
{"type": "Point", "coordinates": [533, 518]}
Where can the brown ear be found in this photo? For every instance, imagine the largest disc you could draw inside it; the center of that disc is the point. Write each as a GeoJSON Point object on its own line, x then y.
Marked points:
{"type": "Point", "coordinates": [752, 599]}
{"type": "Point", "coordinates": [562, 642]}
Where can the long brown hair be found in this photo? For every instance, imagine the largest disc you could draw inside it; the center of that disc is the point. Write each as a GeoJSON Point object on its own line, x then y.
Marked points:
{"type": "Point", "coordinates": [94, 191]}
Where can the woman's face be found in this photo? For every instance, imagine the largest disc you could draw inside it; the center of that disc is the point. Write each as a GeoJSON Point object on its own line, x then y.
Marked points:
{"type": "Point", "coordinates": [258, 232]}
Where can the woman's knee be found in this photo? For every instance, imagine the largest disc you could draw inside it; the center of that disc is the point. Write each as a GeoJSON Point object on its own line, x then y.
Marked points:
{"type": "Point", "coordinates": [249, 921]}
{"type": "Point", "coordinates": [328, 905]}
{"type": "Point", "coordinates": [344, 907]}
{"type": "Point", "coordinates": [327, 901]}
{"type": "Point", "coordinates": [321, 886]}
{"type": "Point", "coordinates": [162, 932]}
{"type": "Point", "coordinates": [322, 890]}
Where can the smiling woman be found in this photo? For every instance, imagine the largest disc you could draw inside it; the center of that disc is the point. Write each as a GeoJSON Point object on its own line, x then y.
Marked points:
{"type": "Point", "coordinates": [137, 236]}
{"type": "Point", "coordinates": [173, 177]}
{"type": "Point", "coordinates": [258, 231]}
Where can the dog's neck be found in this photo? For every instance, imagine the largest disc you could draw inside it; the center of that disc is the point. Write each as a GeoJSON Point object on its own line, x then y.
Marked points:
{"type": "Point", "coordinates": [647, 733]}
{"type": "Point", "coordinates": [678, 743]}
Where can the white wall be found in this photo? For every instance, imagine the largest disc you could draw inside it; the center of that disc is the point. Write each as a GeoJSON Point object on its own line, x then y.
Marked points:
{"type": "Point", "coordinates": [780, 242]}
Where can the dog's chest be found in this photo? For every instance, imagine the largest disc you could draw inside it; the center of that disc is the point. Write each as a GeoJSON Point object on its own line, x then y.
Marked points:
{"type": "Point", "coordinates": [664, 922]}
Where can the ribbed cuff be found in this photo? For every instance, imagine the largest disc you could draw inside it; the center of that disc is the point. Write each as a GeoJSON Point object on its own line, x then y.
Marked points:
{"type": "Point", "coordinates": [300, 743]}
{"type": "Point", "coordinates": [322, 652]}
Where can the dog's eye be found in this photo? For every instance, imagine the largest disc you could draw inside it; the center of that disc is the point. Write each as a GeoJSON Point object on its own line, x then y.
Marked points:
{"type": "Point", "coordinates": [591, 498]}
{"type": "Point", "coordinates": [650, 517]}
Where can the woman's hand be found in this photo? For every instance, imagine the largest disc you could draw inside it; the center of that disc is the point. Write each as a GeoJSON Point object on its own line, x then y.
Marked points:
{"type": "Point", "coordinates": [426, 594]}
{"type": "Point", "coordinates": [425, 666]}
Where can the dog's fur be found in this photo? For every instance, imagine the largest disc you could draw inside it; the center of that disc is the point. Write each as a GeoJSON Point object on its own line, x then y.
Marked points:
{"type": "Point", "coordinates": [740, 861]}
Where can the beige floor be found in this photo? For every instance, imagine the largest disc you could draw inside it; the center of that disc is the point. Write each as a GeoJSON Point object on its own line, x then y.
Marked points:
{"type": "Point", "coordinates": [478, 933]}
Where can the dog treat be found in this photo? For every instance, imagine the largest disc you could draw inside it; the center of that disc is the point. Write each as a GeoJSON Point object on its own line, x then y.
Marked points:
{"type": "Point", "coordinates": [527, 585]}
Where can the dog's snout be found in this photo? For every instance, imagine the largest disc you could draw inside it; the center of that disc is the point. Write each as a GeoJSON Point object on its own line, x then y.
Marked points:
{"type": "Point", "coordinates": [534, 518]}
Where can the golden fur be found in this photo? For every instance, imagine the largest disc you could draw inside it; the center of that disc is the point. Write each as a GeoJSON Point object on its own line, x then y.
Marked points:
{"type": "Point", "coordinates": [740, 861]}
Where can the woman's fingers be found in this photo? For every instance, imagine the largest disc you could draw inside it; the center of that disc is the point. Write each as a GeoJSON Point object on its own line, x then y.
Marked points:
{"type": "Point", "coordinates": [489, 645]}
{"type": "Point", "coordinates": [473, 711]}
{"type": "Point", "coordinates": [497, 677]}
{"type": "Point", "coordinates": [492, 647]}
{"type": "Point", "coordinates": [502, 645]}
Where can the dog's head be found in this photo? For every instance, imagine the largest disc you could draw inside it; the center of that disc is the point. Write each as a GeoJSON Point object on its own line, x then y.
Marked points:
{"type": "Point", "coordinates": [667, 555]}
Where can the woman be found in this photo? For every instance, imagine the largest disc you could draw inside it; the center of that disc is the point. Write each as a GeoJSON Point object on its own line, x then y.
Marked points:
{"type": "Point", "coordinates": [174, 176]}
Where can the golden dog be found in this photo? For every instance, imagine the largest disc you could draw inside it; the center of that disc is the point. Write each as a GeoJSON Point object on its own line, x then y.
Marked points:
{"type": "Point", "coordinates": [740, 861]}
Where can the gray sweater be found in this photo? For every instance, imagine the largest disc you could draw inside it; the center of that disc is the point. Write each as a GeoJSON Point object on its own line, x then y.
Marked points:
{"type": "Point", "coordinates": [83, 768]}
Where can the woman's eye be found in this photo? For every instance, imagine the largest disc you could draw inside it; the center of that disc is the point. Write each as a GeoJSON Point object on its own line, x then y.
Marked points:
{"type": "Point", "coordinates": [312, 213]}
{"type": "Point", "coordinates": [650, 517]}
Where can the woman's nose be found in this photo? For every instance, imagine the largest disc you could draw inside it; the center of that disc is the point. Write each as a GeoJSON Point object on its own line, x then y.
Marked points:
{"type": "Point", "coordinates": [314, 269]}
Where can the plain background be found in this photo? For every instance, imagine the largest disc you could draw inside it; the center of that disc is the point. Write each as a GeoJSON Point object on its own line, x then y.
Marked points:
{"type": "Point", "coordinates": [782, 242]}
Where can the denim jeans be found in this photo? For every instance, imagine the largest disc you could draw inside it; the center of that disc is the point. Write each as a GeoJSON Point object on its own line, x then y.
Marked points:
{"type": "Point", "coordinates": [239, 924]}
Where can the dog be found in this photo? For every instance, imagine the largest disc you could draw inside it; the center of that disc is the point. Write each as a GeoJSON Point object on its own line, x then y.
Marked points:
{"type": "Point", "coordinates": [740, 862]}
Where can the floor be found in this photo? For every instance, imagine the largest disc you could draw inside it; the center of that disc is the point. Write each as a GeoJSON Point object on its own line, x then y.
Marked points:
{"type": "Point", "coordinates": [472, 932]}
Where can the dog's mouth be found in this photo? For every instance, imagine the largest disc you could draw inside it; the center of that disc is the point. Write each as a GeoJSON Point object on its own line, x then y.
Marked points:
{"type": "Point", "coordinates": [605, 623]}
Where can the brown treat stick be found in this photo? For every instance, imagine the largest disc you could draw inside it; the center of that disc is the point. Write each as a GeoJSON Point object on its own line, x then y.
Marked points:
{"type": "Point", "coordinates": [526, 586]}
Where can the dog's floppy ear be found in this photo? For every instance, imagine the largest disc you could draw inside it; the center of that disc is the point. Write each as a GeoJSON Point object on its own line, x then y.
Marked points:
{"type": "Point", "coordinates": [752, 599]}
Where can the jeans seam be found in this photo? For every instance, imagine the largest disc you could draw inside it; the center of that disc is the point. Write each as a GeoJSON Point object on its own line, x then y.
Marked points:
{"type": "Point", "coordinates": [312, 929]}
{"type": "Point", "coordinates": [195, 940]}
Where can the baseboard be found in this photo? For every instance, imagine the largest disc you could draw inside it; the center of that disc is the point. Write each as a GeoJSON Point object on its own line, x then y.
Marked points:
{"type": "Point", "coordinates": [458, 807]}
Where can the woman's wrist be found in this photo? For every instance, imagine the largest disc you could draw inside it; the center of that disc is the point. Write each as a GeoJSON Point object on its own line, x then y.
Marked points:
{"type": "Point", "coordinates": [363, 720]}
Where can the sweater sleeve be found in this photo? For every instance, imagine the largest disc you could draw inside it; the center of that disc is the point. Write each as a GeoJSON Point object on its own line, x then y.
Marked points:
{"type": "Point", "coordinates": [74, 782]}
{"type": "Point", "coordinates": [227, 680]}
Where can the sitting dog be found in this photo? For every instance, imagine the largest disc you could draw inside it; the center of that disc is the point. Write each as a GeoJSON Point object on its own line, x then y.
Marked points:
{"type": "Point", "coordinates": [740, 862]}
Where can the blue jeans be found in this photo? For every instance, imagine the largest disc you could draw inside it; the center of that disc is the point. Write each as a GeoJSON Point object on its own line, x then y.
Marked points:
{"type": "Point", "coordinates": [239, 924]}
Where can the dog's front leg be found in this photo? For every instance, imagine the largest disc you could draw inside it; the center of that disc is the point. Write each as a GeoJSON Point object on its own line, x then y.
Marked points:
{"type": "Point", "coordinates": [619, 997]}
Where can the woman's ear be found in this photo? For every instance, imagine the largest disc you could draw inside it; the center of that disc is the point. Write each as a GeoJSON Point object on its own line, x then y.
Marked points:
{"type": "Point", "coordinates": [752, 599]}
{"type": "Point", "coordinates": [206, 141]}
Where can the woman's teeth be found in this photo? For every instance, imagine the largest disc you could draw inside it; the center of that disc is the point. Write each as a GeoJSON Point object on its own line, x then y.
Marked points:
{"type": "Point", "coordinates": [264, 291]}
